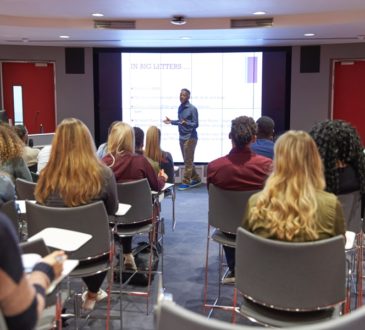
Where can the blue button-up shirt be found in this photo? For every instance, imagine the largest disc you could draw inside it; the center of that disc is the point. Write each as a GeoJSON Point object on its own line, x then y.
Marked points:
{"type": "Point", "coordinates": [189, 114]}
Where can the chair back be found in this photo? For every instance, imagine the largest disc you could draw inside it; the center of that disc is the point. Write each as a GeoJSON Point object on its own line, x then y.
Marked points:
{"type": "Point", "coordinates": [36, 246]}
{"type": "Point", "coordinates": [290, 276]}
{"type": "Point", "coordinates": [9, 208]}
{"type": "Point", "coordinates": [24, 189]}
{"type": "Point", "coordinates": [351, 204]}
{"type": "Point", "coordinates": [3, 325]}
{"type": "Point", "coordinates": [226, 208]}
{"type": "Point", "coordinates": [169, 315]}
{"type": "Point", "coordinates": [90, 219]}
{"type": "Point", "coordinates": [138, 195]}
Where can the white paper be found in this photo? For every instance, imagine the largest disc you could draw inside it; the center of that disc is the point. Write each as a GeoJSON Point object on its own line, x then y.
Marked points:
{"type": "Point", "coordinates": [63, 239]}
{"type": "Point", "coordinates": [123, 209]}
{"type": "Point", "coordinates": [350, 240]}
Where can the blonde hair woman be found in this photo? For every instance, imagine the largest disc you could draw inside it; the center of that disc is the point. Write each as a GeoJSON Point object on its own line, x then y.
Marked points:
{"type": "Point", "coordinates": [153, 151]}
{"type": "Point", "coordinates": [128, 166]}
{"type": "Point", "coordinates": [293, 205]}
{"type": "Point", "coordinates": [11, 151]}
{"type": "Point", "coordinates": [74, 176]}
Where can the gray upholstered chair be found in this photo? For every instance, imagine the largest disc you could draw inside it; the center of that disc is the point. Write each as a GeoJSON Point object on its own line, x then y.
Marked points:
{"type": "Point", "coordinates": [9, 208]}
{"type": "Point", "coordinates": [286, 283]}
{"type": "Point", "coordinates": [24, 189]}
{"type": "Point", "coordinates": [351, 205]}
{"type": "Point", "coordinates": [94, 255]}
{"type": "Point", "coordinates": [139, 220]}
{"type": "Point", "coordinates": [171, 316]}
{"type": "Point", "coordinates": [225, 214]}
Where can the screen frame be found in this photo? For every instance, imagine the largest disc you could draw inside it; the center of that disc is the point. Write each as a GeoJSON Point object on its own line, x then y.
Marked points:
{"type": "Point", "coordinates": [108, 83]}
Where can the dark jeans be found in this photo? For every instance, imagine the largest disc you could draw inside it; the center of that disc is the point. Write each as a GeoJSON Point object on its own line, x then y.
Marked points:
{"type": "Point", "coordinates": [94, 282]}
{"type": "Point", "coordinates": [230, 253]}
{"type": "Point", "coordinates": [188, 149]}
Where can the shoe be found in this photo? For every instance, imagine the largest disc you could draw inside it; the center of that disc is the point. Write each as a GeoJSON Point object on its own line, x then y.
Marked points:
{"type": "Point", "coordinates": [183, 186]}
{"type": "Point", "coordinates": [88, 303]}
{"type": "Point", "coordinates": [229, 278]}
{"type": "Point", "coordinates": [195, 183]}
{"type": "Point", "coordinates": [129, 262]}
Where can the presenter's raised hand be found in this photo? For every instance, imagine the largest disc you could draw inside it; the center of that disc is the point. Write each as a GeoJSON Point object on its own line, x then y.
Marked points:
{"type": "Point", "coordinates": [167, 120]}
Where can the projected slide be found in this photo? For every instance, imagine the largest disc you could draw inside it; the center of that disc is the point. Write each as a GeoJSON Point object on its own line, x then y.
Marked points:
{"type": "Point", "coordinates": [223, 86]}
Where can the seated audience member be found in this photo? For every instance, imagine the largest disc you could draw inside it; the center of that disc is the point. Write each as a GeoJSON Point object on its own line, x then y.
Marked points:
{"type": "Point", "coordinates": [22, 297]}
{"type": "Point", "coordinates": [29, 154]}
{"type": "Point", "coordinates": [293, 205]}
{"type": "Point", "coordinates": [264, 144]}
{"type": "Point", "coordinates": [342, 153]}
{"type": "Point", "coordinates": [129, 166]}
{"type": "Point", "coordinates": [7, 189]}
{"type": "Point", "coordinates": [138, 140]}
{"type": "Point", "coordinates": [139, 144]}
{"type": "Point", "coordinates": [102, 150]}
{"type": "Point", "coordinates": [74, 176]}
{"type": "Point", "coordinates": [241, 169]}
{"type": "Point", "coordinates": [11, 150]}
{"type": "Point", "coordinates": [43, 157]}
{"type": "Point", "coordinates": [153, 151]}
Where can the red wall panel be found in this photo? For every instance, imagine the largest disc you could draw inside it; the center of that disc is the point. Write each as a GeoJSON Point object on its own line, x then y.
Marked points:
{"type": "Point", "coordinates": [349, 94]}
{"type": "Point", "coordinates": [37, 81]}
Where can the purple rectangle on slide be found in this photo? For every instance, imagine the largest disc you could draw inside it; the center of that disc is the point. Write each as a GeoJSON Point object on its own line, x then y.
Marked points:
{"type": "Point", "coordinates": [252, 70]}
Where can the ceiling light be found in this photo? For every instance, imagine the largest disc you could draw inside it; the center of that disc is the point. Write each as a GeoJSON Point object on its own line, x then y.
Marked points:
{"type": "Point", "coordinates": [97, 15]}
{"type": "Point", "coordinates": [185, 38]}
{"type": "Point", "coordinates": [259, 13]}
{"type": "Point", "coordinates": [64, 37]}
{"type": "Point", "coordinates": [178, 20]}
{"type": "Point", "coordinates": [309, 34]}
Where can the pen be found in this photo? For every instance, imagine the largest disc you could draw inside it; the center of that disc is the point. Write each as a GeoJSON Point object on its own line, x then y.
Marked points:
{"type": "Point", "coordinates": [61, 258]}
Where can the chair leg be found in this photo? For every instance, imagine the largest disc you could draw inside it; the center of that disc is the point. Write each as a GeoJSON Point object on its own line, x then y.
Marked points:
{"type": "Point", "coordinates": [359, 270]}
{"type": "Point", "coordinates": [121, 285]}
{"type": "Point", "coordinates": [206, 270]}
{"type": "Point", "coordinates": [173, 197]}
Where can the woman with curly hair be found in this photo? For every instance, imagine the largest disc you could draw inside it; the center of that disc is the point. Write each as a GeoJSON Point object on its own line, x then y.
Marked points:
{"type": "Point", "coordinates": [153, 151]}
{"type": "Point", "coordinates": [293, 205]}
{"type": "Point", "coordinates": [11, 151]}
{"type": "Point", "coordinates": [342, 154]}
{"type": "Point", "coordinates": [75, 176]}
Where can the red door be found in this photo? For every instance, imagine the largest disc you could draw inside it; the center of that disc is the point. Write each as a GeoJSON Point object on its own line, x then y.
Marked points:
{"type": "Point", "coordinates": [349, 94]}
{"type": "Point", "coordinates": [38, 94]}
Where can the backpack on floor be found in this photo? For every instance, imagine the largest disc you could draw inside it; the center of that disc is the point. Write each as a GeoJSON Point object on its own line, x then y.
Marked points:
{"type": "Point", "coordinates": [141, 256]}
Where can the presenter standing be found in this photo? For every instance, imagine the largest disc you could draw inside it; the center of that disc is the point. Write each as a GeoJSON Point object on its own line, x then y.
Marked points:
{"type": "Point", "coordinates": [187, 122]}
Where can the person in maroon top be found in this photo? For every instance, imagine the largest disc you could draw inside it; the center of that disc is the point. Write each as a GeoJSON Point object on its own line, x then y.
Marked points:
{"type": "Point", "coordinates": [241, 169]}
{"type": "Point", "coordinates": [129, 166]}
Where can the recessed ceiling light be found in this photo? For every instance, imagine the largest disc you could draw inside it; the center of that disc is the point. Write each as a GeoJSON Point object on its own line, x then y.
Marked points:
{"type": "Point", "coordinates": [259, 13]}
{"type": "Point", "coordinates": [309, 34]}
{"type": "Point", "coordinates": [97, 14]}
{"type": "Point", "coordinates": [64, 37]}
